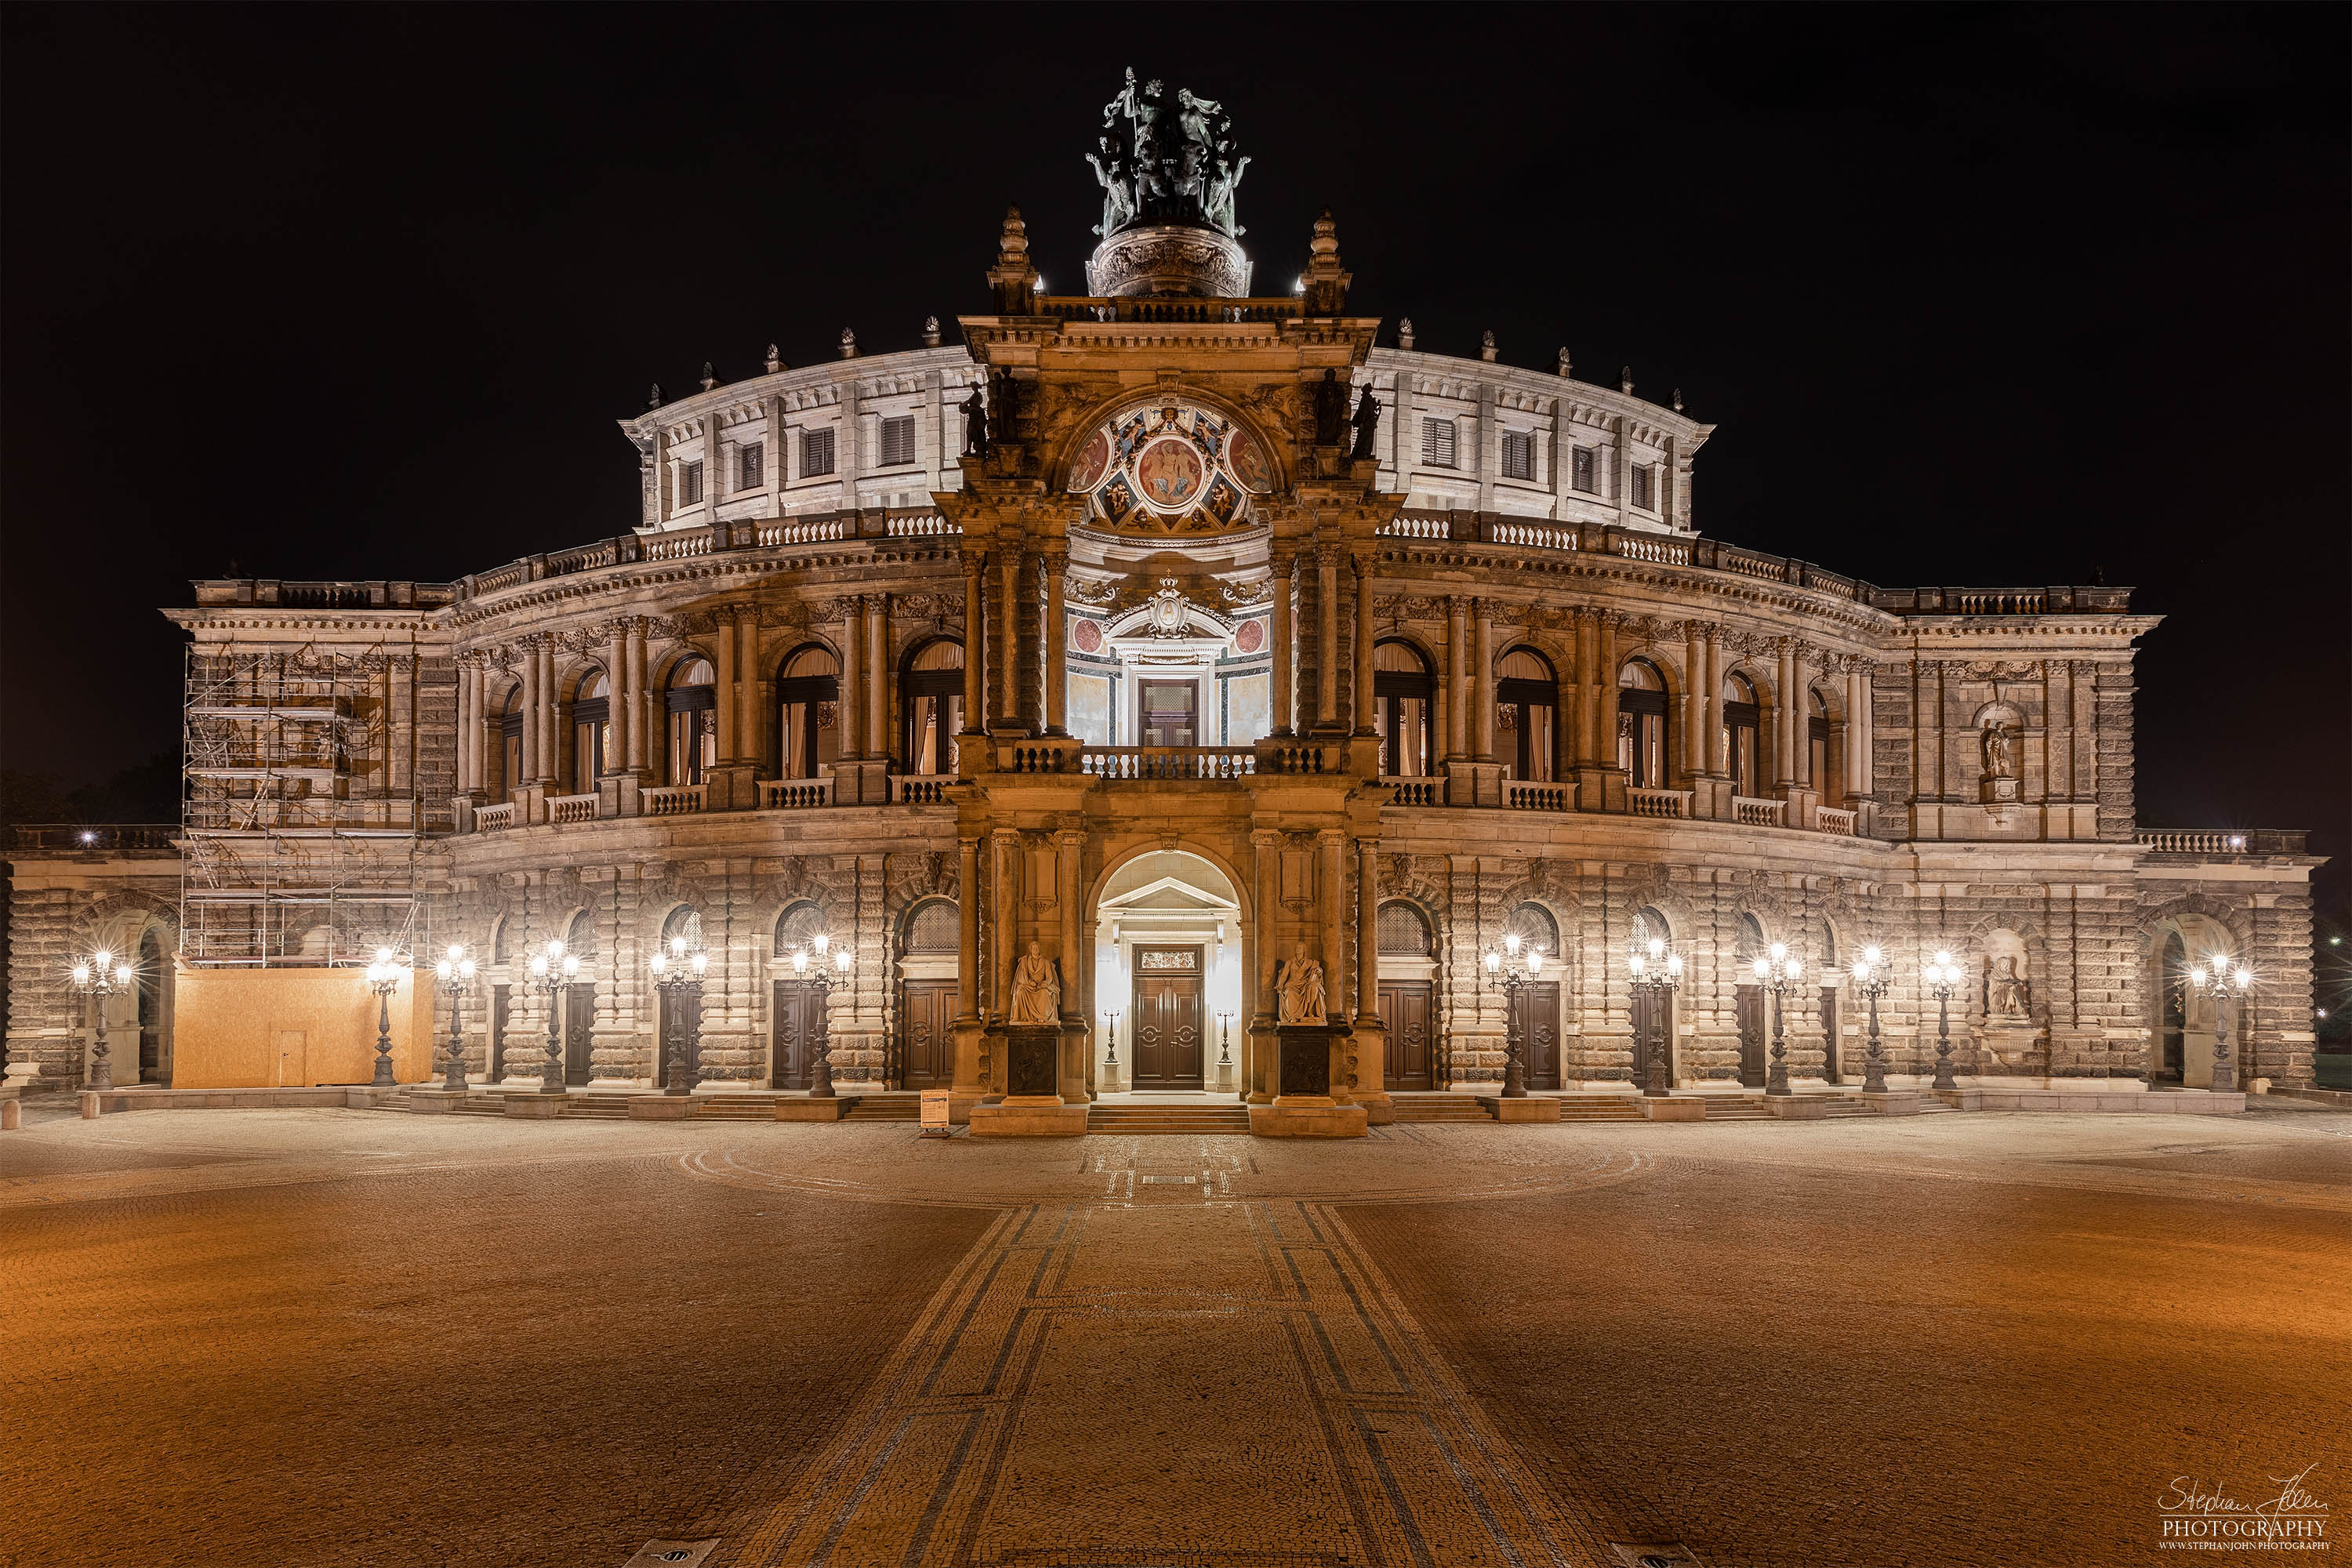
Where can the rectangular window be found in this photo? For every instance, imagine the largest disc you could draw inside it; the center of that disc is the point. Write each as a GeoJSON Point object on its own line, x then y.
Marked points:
{"type": "Point", "coordinates": [1437, 443]}
{"type": "Point", "coordinates": [1641, 487]}
{"type": "Point", "coordinates": [751, 466]}
{"type": "Point", "coordinates": [817, 453]}
{"type": "Point", "coordinates": [690, 483]}
{"type": "Point", "coordinates": [898, 441]}
{"type": "Point", "coordinates": [1519, 455]}
{"type": "Point", "coordinates": [1583, 472]}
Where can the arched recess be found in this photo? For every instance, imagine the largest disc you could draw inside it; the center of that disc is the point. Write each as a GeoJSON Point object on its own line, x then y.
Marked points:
{"type": "Point", "coordinates": [1748, 1002]}
{"type": "Point", "coordinates": [588, 754]}
{"type": "Point", "coordinates": [690, 711]}
{"type": "Point", "coordinates": [1537, 1015]}
{"type": "Point", "coordinates": [808, 712]}
{"type": "Point", "coordinates": [678, 1029]}
{"type": "Point", "coordinates": [928, 942]}
{"type": "Point", "coordinates": [2186, 1019]}
{"type": "Point", "coordinates": [1653, 1013]}
{"type": "Point", "coordinates": [797, 1026]}
{"type": "Point", "coordinates": [1825, 743]}
{"type": "Point", "coordinates": [142, 932]}
{"type": "Point", "coordinates": [1643, 746]}
{"type": "Point", "coordinates": [1405, 697]}
{"type": "Point", "coordinates": [511, 723]}
{"type": "Point", "coordinates": [930, 706]}
{"type": "Point", "coordinates": [1406, 947]}
{"type": "Point", "coordinates": [579, 1023]}
{"type": "Point", "coordinates": [1170, 954]}
{"type": "Point", "coordinates": [1527, 714]}
{"type": "Point", "coordinates": [1069, 466]}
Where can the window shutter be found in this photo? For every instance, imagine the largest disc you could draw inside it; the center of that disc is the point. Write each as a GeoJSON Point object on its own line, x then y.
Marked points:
{"type": "Point", "coordinates": [1519, 455]}
{"type": "Point", "coordinates": [817, 453]}
{"type": "Point", "coordinates": [751, 466]}
{"type": "Point", "coordinates": [1580, 470]}
{"type": "Point", "coordinates": [690, 483]}
{"type": "Point", "coordinates": [898, 441]}
{"type": "Point", "coordinates": [1437, 443]}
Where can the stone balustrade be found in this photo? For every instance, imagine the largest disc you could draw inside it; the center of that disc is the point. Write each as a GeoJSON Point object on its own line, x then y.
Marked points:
{"type": "Point", "coordinates": [794, 795]}
{"type": "Point", "coordinates": [1749, 811]}
{"type": "Point", "coordinates": [1830, 819]}
{"type": "Point", "coordinates": [1415, 790]}
{"type": "Point", "coordinates": [1522, 795]}
{"type": "Point", "coordinates": [678, 800]}
{"type": "Point", "coordinates": [1672, 802]}
{"type": "Point", "coordinates": [572, 808]}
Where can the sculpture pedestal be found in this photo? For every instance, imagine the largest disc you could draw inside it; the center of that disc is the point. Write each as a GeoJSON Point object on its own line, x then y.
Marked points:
{"type": "Point", "coordinates": [1534, 1108]}
{"type": "Point", "coordinates": [1303, 1105]}
{"type": "Point", "coordinates": [1034, 1107]}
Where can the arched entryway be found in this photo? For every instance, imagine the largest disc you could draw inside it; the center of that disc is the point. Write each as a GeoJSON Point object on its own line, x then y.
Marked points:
{"type": "Point", "coordinates": [681, 1009]}
{"type": "Point", "coordinates": [929, 941]}
{"type": "Point", "coordinates": [1408, 996]}
{"type": "Point", "coordinates": [1535, 1014]}
{"type": "Point", "coordinates": [1748, 1002]}
{"type": "Point", "coordinates": [797, 1023]}
{"type": "Point", "coordinates": [1653, 1008]}
{"type": "Point", "coordinates": [2186, 1017]}
{"type": "Point", "coordinates": [1169, 962]}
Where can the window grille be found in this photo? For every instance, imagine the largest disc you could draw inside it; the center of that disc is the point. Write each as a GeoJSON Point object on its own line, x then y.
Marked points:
{"type": "Point", "coordinates": [936, 928]}
{"type": "Point", "coordinates": [751, 466]}
{"type": "Point", "coordinates": [1641, 491]}
{"type": "Point", "coordinates": [1533, 925]}
{"type": "Point", "coordinates": [1519, 455]}
{"type": "Point", "coordinates": [817, 453]}
{"type": "Point", "coordinates": [690, 483]}
{"type": "Point", "coordinates": [898, 440]}
{"type": "Point", "coordinates": [1400, 929]}
{"type": "Point", "coordinates": [1583, 472]}
{"type": "Point", "coordinates": [1437, 443]}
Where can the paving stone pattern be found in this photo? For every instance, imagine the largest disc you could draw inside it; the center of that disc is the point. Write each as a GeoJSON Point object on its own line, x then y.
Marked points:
{"type": "Point", "coordinates": [344, 1337]}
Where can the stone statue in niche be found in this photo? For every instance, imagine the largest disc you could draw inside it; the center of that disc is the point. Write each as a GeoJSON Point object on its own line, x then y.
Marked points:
{"type": "Point", "coordinates": [1367, 423]}
{"type": "Point", "coordinates": [1300, 986]}
{"type": "Point", "coordinates": [2006, 992]}
{"type": "Point", "coordinates": [1997, 746]}
{"type": "Point", "coordinates": [1330, 410]}
{"type": "Point", "coordinates": [1037, 990]}
{"type": "Point", "coordinates": [975, 424]}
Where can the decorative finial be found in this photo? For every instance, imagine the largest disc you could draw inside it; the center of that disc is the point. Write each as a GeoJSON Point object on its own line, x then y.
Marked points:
{"type": "Point", "coordinates": [1564, 364]}
{"type": "Point", "coordinates": [1487, 347]}
{"type": "Point", "coordinates": [1324, 283]}
{"type": "Point", "coordinates": [930, 332]}
{"type": "Point", "coordinates": [709, 379]}
{"type": "Point", "coordinates": [1678, 400]}
{"type": "Point", "coordinates": [1012, 278]}
{"type": "Point", "coordinates": [775, 360]}
{"type": "Point", "coordinates": [654, 398]}
{"type": "Point", "coordinates": [1625, 379]}
{"type": "Point", "coordinates": [1404, 332]}
{"type": "Point", "coordinates": [848, 343]}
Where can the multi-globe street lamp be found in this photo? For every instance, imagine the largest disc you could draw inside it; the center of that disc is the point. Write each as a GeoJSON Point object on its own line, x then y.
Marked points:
{"type": "Point", "coordinates": [675, 974]}
{"type": "Point", "coordinates": [823, 978]}
{"type": "Point", "coordinates": [2228, 983]}
{"type": "Point", "coordinates": [1779, 972]}
{"type": "Point", "coordinates": [1657, 972]}
{"type": "Point", "coordinates": [100, 976]}
{"type": "Point", "coordinates": [384, 979]}
{"type": "Point", "coordinates": [1509, 980]}
{"type": "Point", "coordinates": [455, 969]}
{"type": "Point", "coordinates": [553, 974]}
{"type": "Point", "coordinates": [1943, 977]}
{"type": "Point", "coordinates": [1869, 975]}
{"type": "Point", "coordinates": [1225, 1049]}
{"type": "Point", "coordinates": [1110, 1055]}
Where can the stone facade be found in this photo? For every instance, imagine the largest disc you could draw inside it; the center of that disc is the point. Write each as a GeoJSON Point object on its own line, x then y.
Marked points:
{"type": "Point", "coordinates": [862, 660]}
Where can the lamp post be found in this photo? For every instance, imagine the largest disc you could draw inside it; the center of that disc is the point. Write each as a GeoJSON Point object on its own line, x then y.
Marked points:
{"type": "Point", "coordinates": [823, 979]}
{"type": "Point", "coordinates": [553, 974]}
{"type": "Point", "coordinates": [1509, 979]}
{"type": "Point", "coordinates": [1110, 1056]}
{"type": "Point", "coordinates": [101, 976]}
{"type": "Point", "coordinates": [1657, 972]}
{"type": "Point", "coordinates": [456, 972]}
{"type": "Point", "coordinates": [1778, 973]}
{"type": "Point", "coordinates": [2228, 983]}
{"type": "Point", "coordinates": [676, 972]}
{"type": "Point", "coordinates": [1869, 975]}
{"type": "Point", "coordinates": [1225, 1049]}
{"type": "Point", "coordinates": [384, 979]}
{"type": "Point", "coordinates": [1943, 976]}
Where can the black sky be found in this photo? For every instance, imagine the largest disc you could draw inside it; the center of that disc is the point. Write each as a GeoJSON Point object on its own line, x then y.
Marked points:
{"type": "Point", "coordinates": [1980, 295]}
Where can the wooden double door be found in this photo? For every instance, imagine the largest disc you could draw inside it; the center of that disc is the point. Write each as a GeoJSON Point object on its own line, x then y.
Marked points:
{"type": "Point", "coordinates": [1406, 1019]}
{"type": "Point", "coordinates": [579, 1035]}
{"type": "Point", "coordinates": [1654, 1021]}
{"type": "Point", "coordinates": [1752, 1043]}
{"type": "Point", "coordinates": [797, 1033]}
{"type": "Point", "coordinates": [681, 1030]}
{"type": "Point", "coordinates": [1169, 1032]}
{"type": "Point", "coordinates": [1535, 1024]}
{"type": "Point", "coordinates": [927, 1010]}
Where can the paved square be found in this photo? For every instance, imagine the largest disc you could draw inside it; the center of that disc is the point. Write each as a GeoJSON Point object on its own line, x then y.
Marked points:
{"type": "Point", "coordinates": [350, 1337]}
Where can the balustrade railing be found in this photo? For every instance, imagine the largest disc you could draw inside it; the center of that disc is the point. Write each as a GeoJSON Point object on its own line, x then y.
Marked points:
{"type": "Point", "coordinates": [919, 524]}
{"type": "Point", "coordinates": [679, 545]}
{"type": "Point", "coordinates": [1658, 802]}
{"type": "Point", "coordinates": [1649, 547]}
{"type": "Point", "coordinates": [2167, 841]}
{"type": "Point", "coordinates": [491, 818]}
{"type": "Point", "coordinates": [74, 838]}
{"type": "Point", "coordinates": [1525, 794]}
{"type": "Point", "coordinates": [801, 530]}
{"type": "Point", "coordinates": [1169, 762]}
{"type": "Point", "coordinates": [1540, 535]}
{"type": "Point", "coordinates": [1830, 819]}
{"type": "Point", "coordinates": [1415, 790]}
{"type": "Point", "coordinates": [1749, 811]}
{"type": "Point", "coordinates": [790, 794]}
{"type": "Point", "coordinates": [930, 789]}
{"type": "Point", "coordinates": [572, 808]}
{"type": "Point", "coordinates": [674, 800]}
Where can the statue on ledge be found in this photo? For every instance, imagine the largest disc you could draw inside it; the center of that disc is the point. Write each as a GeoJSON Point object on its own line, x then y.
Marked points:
{"type": "Point", "coordinates": [2000, 749]}
{"type": "Point", "coordinates": [1367, 423]}
{"type": "Point", "coordinates": [2005, 990]}
{"type": "Point", "coordinates": [1299, 990]}
{"type": "Point", "coordinates": [1330, 410]}
{"type": "Point", "coordinates": [975, 424]}
{"type": "Point", "coordinates": [1037, 990]}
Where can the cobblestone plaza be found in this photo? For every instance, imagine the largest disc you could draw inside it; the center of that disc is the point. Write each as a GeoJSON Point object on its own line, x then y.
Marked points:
{"type": "Point", "coordinates": [355, 1337]}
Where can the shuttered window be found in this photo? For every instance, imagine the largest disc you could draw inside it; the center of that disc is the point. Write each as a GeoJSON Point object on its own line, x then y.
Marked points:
{"type": "Point", "coordinates": [898, 440]}
{"type": "Point", "coordinates": [690, 483]}
{"type": "Point", "coordinates": [1581, 471]}
{"type": "Point", "coordinates": [817, 453]}
{"type": "Point", "coordinates": [1519, 455]}
{"type": "Point", "coordinates": [1641, 490]}
{"type": "Point", "coordinates": [1437, 443]}
{"type": "Point", "coordinates": [750, 465]}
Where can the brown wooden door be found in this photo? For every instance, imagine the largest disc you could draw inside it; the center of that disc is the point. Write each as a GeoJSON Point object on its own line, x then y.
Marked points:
{"type": "Point", "coordinates": [1829, 1034]}
{"type": "Point", "coordinates": [579, 1033]}
{"type": "Point", "coordinates": [502, 1008]}
{"type": "Point", "coordinates": [1535, 1021]}
{"type": "Point", "coordinates": [1168, 1037]}
{"type": "Point", "coordinates": [1751, 1035]}
{"type": "Point", "coordinates": [926, 1033]}
{"type": "Point", "coordinates": [1651, 1019]}
{"type": "Point", "coordinates": [1405, 1015]}
{"type": "Point", "coordinates": [681, 1029]}
{"type": "Point", "coordinates": [798, 1031]}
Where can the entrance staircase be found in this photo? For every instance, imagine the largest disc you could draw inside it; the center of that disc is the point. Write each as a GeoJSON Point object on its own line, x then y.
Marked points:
{"type": "Point", "coordinates": [888, 1105]}
{"type": "Point", "coordinates": [1600, 1108]}
{"type": "Point", "coordinates": [1203, 1117]}
{"type": "Point", "coordinates": [1417, 1106]}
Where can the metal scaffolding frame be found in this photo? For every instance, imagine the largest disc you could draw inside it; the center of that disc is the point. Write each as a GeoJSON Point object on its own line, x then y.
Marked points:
{"type": "Point", "coordinates": [294, 849]}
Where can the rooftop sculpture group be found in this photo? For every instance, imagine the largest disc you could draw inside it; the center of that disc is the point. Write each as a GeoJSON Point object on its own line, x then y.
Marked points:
{"type": "Point", "coordinates": [1163, 160]}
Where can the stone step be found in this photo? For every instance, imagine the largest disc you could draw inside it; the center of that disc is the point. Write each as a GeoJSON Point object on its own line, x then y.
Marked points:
{"type": "Point", "coordinates": [1439, 1107]}
{"type": "Point", "coordinates": [598, 1107]}
{"type": "Point", "coordinates": [1145, 1120]}
{"type": "Point", "coordinates": [896, 1105]}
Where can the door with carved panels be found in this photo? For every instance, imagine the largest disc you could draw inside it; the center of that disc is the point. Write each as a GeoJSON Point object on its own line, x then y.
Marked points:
{"type": "Point", "coordinates": [1829, 1025]}
{"type": "Point", "coordinates": [579, 1035]}
{"type": "Point", "coordinates": [681, 1030]}
{"type": "Point", "coordinates": [1535, 1021]}
{"type": "Point", "coordinates": [1167, 1036]}
{"type": "Point", "coordinates": [1751, 1035]}
{"type": "Point", "coordinates": [1654, 1019]}
{"type": "Point", "coordinates": [1405, 1015]}
{"type": "Point", "coordinates": [926, 1033]}
{"type": "Point", "coordinates": [798, 1031]}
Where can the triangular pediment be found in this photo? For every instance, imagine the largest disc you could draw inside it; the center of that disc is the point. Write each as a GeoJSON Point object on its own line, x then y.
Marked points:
{"type": "Point", "coordinates": [1169, 895]}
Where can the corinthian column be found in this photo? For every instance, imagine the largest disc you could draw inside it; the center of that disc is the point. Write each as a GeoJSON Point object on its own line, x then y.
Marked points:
{"type": "Point", "coordinates": [1366, 718]}
{"type": "Point", "coordinates": [616, 696]}
{"type": "Point", "coordinates": [1326, 634]}
{"type": "Point", "coordinates": [878, 682]}
{"type": "Point", "coordinates": [1482, 698]}
{"type": "Point", "coordinates": [849, 711]}
{"type": "Point", "coordinates": [975, 643]}
{"type": "Point", "coordinates": [1283, 680]}
{"type": "Point", "coordinates": [1368, 910]}
{"type": "Point", "coordinates": [1458, 677]}
{"type": "Point", "coordinates": [641, 719]}
{"type": "Point", "coordinates": [529, 774]}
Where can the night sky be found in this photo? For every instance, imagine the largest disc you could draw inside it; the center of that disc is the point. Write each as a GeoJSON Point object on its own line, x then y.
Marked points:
{"type": "Point", "coordinates": [1976, 296]}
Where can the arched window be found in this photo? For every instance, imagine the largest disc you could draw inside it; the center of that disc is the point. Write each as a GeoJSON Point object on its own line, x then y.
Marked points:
{"type": "Point", "coordinates": [1527, 711]}
{"type": "Point", "coordinates": [1401, 930]}
{"type": "Point", "coordinates": [501, 940]}
{"type": "Point", "coordinates": [1533, 925]}
{"type": "Point", "coordinates": [1649, 926]}
{"type": "Point", "coordinates": [797, 928]}
{"type": "Point", "coordinates": [930, 705]}
{"type": "Point", "coordinates": [580, 937]}
{"type": "Point", "coordinates": [693, 722]}
{"type": "Point", "coordinates": [511, 743]}
{"type": "Point", "coordinates": [1642, 725]}
{"type": "Point", "coordinates": [684, 921]}
{"type": "Point", "coordinates": [1402, 692]}
{"type": "Point", "coordinates": [1741, 715]}
{"type": "Point", "coordinates": [808, 711]}
{"type": "Point", "coordinates": [934, 927]}
{"type": "Point", "coordinates": [592, 732]}
{"type": "Point", "coordinates": [1820, 747]}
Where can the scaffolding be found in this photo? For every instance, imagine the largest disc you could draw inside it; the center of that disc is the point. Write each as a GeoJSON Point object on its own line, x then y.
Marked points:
{"type": "Point", "coordinates": [295, 848]}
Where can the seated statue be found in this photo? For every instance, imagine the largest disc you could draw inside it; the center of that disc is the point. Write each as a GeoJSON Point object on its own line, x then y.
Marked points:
{"type": "Point", "coordinates": [1300, 990]}
{"type": "Point", "coordinates": [1037, 990]}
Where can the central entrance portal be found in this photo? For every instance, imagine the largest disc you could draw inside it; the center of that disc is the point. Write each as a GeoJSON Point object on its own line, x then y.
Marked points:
{"type": "Point", "coordinates": [1168, 1019]}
